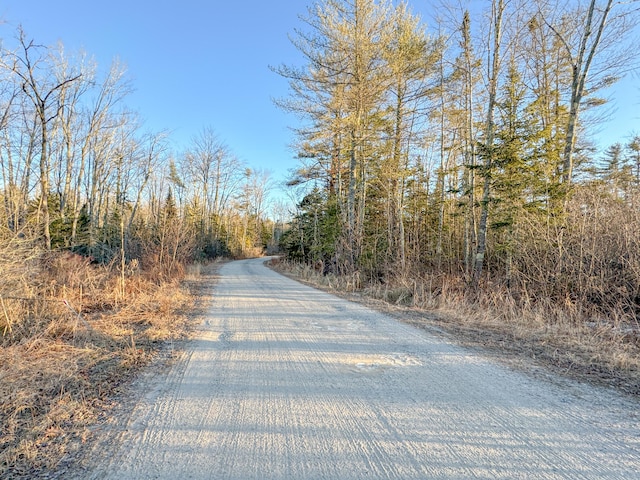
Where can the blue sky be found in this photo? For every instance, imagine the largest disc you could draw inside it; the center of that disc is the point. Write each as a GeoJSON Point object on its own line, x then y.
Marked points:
{"type": "Point", "coordinates": [200, 63]}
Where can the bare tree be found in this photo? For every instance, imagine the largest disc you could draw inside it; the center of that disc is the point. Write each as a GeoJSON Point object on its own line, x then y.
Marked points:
{"type": "Point", "coordinates": [14, 197]}
{"type": "Point", "coordinates": [493, 73]}
{"type": "Point", "coordinates": [216, 173]}
{"type": "Point", "coordinates": [598, 54]}
{"type": "Point", "coordinates": [46, 94]}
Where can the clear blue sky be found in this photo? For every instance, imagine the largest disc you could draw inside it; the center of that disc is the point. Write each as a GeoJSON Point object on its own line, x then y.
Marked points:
{"type": "Point", "coordinates": [197, 63]}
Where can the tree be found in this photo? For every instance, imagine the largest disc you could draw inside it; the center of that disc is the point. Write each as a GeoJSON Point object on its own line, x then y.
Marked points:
{"type": "Point", "coordinates": [488, 152]}
{"type": "Point", "coordinates": [514, 179]}
{"type": "Point", "coordinates": [467, 66]}
{"type": "Point", "coordinates": [252, 201]}
{"type": "Point", "coordinates": [616, 173]}
{"type": "Point", "coordinates": [410, 57]}
{"type": "Point", "coordinates": [15, 180]}
{"type": "Point", "coordinates": [633, 149]}
{"type": "Point", "coordinates": [46, 95]}
{"type": "Point", "coordinates": [313, 232]}
{"type": "Point", "coordinates": [343, 85]}
{"type": "Point", "coordinates": [595, 39]}
{"type": "Point", "coordinates": [96, 122]}
{"type": "Point", "coordinates": [216, 175]}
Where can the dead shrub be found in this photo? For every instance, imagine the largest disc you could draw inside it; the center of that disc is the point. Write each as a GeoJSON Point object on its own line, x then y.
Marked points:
{"type": "Point", "coordinates": [72, 333]}
{"type": "Point", "coordinates": [590, 259]}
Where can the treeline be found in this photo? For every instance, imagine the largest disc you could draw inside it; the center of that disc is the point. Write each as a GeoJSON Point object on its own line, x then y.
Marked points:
{"type": "Point", "coordinates": [461, 150]}
{"type": "Point", "coordinates": [80, 173]}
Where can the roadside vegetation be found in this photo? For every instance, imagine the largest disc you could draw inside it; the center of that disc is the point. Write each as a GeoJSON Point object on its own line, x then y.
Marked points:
{"type": "Point", "coordinates": [590, 348]}
{"type": "Point", "coordinates": [451, 167]}
{"type": "Point", "coordinates": [72, 334]}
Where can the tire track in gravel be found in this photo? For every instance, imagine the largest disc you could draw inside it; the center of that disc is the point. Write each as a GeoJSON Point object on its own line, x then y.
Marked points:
{"type": "Point", "coordinates": [287, 382]}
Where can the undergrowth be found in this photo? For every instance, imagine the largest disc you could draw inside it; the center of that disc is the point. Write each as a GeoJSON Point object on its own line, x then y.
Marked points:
{"type": "Point", "coordinates": [71, 335]}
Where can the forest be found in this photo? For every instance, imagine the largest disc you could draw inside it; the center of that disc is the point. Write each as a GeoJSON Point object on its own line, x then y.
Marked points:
{"type": "Point", "coordinates": [459, 155]}
{"type": "Point", "coordinates": [460, 152]}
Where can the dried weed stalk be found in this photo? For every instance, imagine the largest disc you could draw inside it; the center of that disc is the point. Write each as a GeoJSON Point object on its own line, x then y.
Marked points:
{"type": "Point", "coordinates": [68, 339]}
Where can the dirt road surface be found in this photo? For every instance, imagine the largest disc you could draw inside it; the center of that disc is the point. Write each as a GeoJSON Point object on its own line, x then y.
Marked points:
{"type": "Point", "coordinates": [287, 382]}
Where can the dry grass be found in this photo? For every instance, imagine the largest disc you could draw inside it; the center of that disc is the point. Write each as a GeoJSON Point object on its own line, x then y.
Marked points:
{"type": "Point", "coordinates": [71, 336]}
{"type": "Point", "coordinates": [571, 341]}
{"type": "Point", "coordinates": [565, 338]}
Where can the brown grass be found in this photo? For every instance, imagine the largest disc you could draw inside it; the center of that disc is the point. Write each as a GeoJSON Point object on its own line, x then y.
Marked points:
{"type": "Point", "coordinates": [565, 338]}
{"type": "Point", "coordinates": [71, 337]}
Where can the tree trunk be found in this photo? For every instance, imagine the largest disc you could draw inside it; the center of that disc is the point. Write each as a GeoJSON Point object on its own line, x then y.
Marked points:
{"type": "Point", "coordinates": [580, 71]}
{"type": "Point", "coordinates": [44, 177]}
{"type": "Point", "coordinates": [498, 10]}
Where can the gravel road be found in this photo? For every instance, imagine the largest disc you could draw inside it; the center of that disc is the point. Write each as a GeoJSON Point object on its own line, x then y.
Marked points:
{"type": "Point", "coordinates": [287, 382]}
